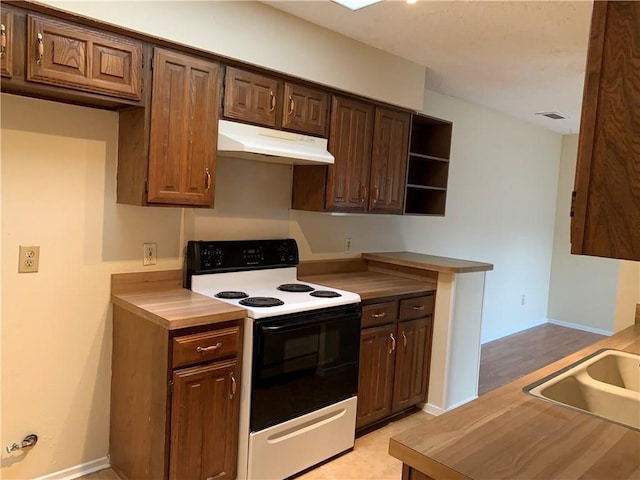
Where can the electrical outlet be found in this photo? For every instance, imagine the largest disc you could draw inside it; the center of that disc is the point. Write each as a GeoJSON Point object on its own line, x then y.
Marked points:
{"type": "Point", "coordinates": [347, 244]}
{"type": "Point", "coordinates": [149, 256]}
{"type": "Point", "coordinates": [28, 259]}
{"type": "Point", "coordinates": [523, 299]}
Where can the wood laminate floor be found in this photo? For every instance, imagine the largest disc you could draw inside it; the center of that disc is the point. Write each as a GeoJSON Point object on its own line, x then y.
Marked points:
{"type": "Point", "coordinates": [508, 358]}
{"type": "Point", "coordinates": [501, 362]}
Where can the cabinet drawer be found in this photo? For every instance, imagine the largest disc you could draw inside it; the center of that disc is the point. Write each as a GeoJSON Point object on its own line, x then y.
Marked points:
{"type": "Point", "coordinates": [379, 314]}
{"type": "Point", "coordinates": [416, 307]}
{"type": "Point", "coordinates": [201, 347]}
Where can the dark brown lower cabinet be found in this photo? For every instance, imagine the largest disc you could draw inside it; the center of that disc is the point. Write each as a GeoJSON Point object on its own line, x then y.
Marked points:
{"type": "Point", "coordinates": [375, 384]}
{"type": "Point", "coordinates": [394, 358]}
{"type": "Point", "coordinates": [204, 431]}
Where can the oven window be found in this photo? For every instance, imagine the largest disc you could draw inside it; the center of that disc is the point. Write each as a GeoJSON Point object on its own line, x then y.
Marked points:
{"type": "Point", "coordinates": [300, 366]}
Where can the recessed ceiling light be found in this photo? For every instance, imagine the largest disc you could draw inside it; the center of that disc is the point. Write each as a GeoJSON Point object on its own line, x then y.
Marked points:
{"type": "Point", "coordinates": [356, 4]}
{"type": "Point", "coordinates": [411, 1]}
{"type": "Point", "coordinates": [552, 115]}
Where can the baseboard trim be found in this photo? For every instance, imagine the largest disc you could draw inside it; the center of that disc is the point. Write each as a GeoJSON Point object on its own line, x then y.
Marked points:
{"type": "Point", "coordinates": [435, 410]}
{"type": "Point", "coordinates": [577, 326]}
{"type": "Point", "coordinates": [78, 470]}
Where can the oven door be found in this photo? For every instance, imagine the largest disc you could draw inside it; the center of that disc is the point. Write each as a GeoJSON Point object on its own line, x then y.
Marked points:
{"type": "Point", "coordinates": [303, 362]}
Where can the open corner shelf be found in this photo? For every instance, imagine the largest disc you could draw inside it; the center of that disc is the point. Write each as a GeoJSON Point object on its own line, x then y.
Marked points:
{"type": "Point", "coordinates": [428, 166]}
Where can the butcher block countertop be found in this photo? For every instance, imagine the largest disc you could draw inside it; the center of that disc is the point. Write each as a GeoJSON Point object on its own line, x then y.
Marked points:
{"type": "Point", "coordinates": [428, 262]}
{"type": "Point", "coordinates": [508, 434]}
{"type": "Point", "coordinates": [371, 285]}
{"type": "Point", "coordinates": [160, 298]}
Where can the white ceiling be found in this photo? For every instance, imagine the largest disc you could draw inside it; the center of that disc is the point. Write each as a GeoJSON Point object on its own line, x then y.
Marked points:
{"type": "Point", "coordinates": [518, 57]}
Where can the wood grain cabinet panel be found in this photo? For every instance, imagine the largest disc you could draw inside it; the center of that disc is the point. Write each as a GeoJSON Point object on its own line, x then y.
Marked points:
{"type": "Point", "coordinates": [251, 97]}
{"type": "Point", "coordinates": [305, 110]}
{"type": "Point", "coordinates": [412, 363]}
{"type": "Point", "coordinates": [389, 161]}
{"type": "Point", "coordinates": [350, 144]}
{"type": "Point", "coordinates": [184, 130]}
{"type": "Point", "coordinates": [204, 422]}
{"type": "Point", "coordinates": [63, 54]}
{"type": "Point", "coordinates": [375, 384]}
{"type": "Point", "coordinates": [6, 43]}
{"type": "Point", "coordinates": [606, 208]}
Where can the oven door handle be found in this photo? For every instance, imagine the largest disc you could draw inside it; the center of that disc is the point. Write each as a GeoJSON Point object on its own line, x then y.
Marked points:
{"type": "Point", "coordinates": [317, 321]}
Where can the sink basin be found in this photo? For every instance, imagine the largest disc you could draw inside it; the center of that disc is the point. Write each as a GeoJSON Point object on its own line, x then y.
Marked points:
{"type": "Point", "coordinates": [605, 384]}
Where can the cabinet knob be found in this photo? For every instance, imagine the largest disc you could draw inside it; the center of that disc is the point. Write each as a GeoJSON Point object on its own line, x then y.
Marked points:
{"type": "Point", "coordinates": [40, 41]}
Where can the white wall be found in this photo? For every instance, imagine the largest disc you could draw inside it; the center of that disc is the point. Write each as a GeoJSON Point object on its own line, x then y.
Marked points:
{"type": "Point", "coordinates": [582, 289]}
{"type": "Point", "coordinates": [58, 192]}
{"type": "Point", "coordinates": [258, 34]}
{"type": "Point", "coordinates": [500, 209]}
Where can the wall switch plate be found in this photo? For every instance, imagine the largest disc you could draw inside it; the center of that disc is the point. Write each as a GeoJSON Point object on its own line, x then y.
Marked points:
{"type": "Point", "coordinates": [347, 244]}
{"type": "Point", "coordinates": [28, 259]}
{"type": "Point", "coordinates": [149, 255]}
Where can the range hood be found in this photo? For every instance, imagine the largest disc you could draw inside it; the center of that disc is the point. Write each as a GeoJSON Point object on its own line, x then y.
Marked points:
{"type": "Point", "coordinates": [268, 145]}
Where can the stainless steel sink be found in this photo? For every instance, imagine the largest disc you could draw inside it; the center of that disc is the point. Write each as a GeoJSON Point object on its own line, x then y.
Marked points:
{"type": "Point", "coordinates": [605, 384]}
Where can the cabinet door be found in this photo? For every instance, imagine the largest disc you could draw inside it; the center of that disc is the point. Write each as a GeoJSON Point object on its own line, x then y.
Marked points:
{"type": "Point", "coordinates": [204, 422]}
{"type": "Point", "coordinates": [350, 144]}
{"type": "Point", "coordinates": [75, 57]}
{"type": "Point", "coordinates": [375, 384]}
{"type": "Point", "coordinates": [6, 43]}
{"type": "Point", "coordinates": [606, 210]}
{"type": "Point", "coordinates": [389, 161]}
{"type": "Point", "coordinates": [305, 110]}
{"type": "Point", "coordinates": [250, 97]}
{"type": "Point", "coordinates": [412, 363]}
{"type": "Point", "coordinates": [184, 130]}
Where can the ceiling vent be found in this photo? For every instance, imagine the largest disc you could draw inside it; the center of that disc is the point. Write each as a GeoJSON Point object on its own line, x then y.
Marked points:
{"type": "Point", "coordinates": [552, 115]}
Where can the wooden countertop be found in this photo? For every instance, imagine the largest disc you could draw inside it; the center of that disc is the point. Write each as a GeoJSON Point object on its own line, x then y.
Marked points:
{"type": "Point", "coordinates": [428, 262]}
{"type": "Point", "coordinates": [370, 285]}
{"type": "Point", "coordinates": [159, 297]}
{"type": "Point", "coordinates": [508, 434]}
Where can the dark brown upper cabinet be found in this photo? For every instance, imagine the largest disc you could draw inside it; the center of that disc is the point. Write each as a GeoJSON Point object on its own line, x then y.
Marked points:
{"type": "Point", "coordinates": [251, 97]}
{"type": "Point", "coordinates": [305, 110]}
{"type": "Point", "coordinates": [370, 145]}
{"type": "Point", "coordinates": [6, 43]}
{"type": "Point", "coordinates": [388, 161]}
{"type": "Point", "coordinates": [606, 203]}
{"type": "Point", "coordinates": [168, 156]}
{"type": "Point", "coordinates": [350, 144]}
{"type": "Point", "coordinates": [268, 101]}
{"type": "Point", "coordinates": [64, 54]}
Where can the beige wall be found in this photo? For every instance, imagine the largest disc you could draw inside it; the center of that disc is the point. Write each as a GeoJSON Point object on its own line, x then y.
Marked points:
{"type": "Point", "coordinates": [258, 34]}
{"type": "Point", "coordinates": [58, 192]}
{"type": "Point", "coordinates": [582, 289]}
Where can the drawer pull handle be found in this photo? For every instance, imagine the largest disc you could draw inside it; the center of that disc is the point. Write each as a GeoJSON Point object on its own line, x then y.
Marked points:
{"type": "Point", "coordinates": [234, 386]}
{"type": "Point", "coordinates": [404, 339]}
{"type": "Point", "coordinates": [209, 349]}
{"type": "Point", "coordinates": [379, 315]}
{"type": "Point", "coordinates": [393, 343]}
{"type": "Point", "coordinates": [273, 101]}
{"type": "Point", "coordinates": [40, 40]}
{"type": "Point", "coordinates": [418, 307]}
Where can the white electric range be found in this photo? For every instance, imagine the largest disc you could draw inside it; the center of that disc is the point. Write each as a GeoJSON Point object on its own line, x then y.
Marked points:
{"type": "Point", "coordinates": [300, 354]}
